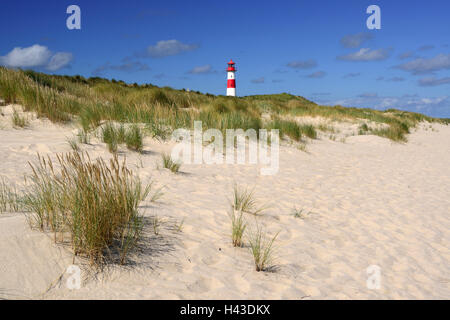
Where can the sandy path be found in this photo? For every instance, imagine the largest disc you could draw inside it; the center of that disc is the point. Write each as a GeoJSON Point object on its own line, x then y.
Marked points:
{"type": "Point", "coordinates": [374, 202]}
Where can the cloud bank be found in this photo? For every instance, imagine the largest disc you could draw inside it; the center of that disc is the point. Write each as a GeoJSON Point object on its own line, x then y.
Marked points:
{"type": "Point", "coordinates": [432, 106]}
{"type": "Point", "coordinates": [36, 56]}
{"type": "Point", "coordinates": [366, 54]}
{"type": "Point", "coordinates": [433, 81]}
{"type": "Point", "coordinates": [426, 65]}
{"type": "Point", "coordinates": [165, 48]}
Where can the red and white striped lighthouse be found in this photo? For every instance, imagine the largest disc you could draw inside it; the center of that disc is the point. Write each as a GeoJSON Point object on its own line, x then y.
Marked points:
{"type": "Point", "coordinates": [231, 79]}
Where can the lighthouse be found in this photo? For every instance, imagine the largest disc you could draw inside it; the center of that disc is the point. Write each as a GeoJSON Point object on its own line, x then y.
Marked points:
{"type": "Point", "coordinates": [231, 79]}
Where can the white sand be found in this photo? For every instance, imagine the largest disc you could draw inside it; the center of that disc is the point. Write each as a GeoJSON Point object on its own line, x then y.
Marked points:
{"type": "Point", "coordinates": [374, 202]}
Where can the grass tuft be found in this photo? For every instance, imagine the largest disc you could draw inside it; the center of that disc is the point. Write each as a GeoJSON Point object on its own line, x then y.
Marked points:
{"type": "Point", "coordinates": [300, 213]}
{"type": "Point", "coordinates": [363, 129]}
{"type": "Point", "coordinates": [111, 136]}
{"type": "Point", "coordinates": [238, 226]}
{"type": "Point", "coordinates": [244, 201]}
{"type": "Point", "coordinates": [83, 137]}
{"type": "Point", "coordinates": [308, 130]}
{"type": "Point", "coordinates": [73, 143]}
{"type": "Point", "coordinates": [114, 136]}
{"type": "Point", "coordinates": [133, 139]}
{"type": "Point", "coordinates": [179, 226]}
{"type": "Point", "coordinates": [262, 249]}
{"type": "Point", "coordinates": [91, 204]}
{"type": "Point", "coordinates": [395, 133]}
{"type": "Point", "coordinates": [18, 120]}
{"type": "Point", "coordinates": [10, 200]}
{"type": "Point", "coordinates": [170, 164]}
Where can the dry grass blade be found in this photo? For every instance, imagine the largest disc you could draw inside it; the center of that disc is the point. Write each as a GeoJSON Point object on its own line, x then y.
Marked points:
{"type": "Point", "coordinates": [157, 194]}
{"type": "Point", "coordinates": [73, 143]}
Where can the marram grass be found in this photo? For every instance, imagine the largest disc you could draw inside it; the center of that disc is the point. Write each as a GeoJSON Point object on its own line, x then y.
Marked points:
{"type": "Point", "coordinates": [262, 249]}
{"type": "Point", "coordinates": [10, 200]}
{"type": "Point", "coordinates": [93, 204]}
{"type": "Point", "coordinates": [170, 164]}
{"type": "Point", "coordinates": [95, 100]}
{"type": "Point", "coordinates": [238, 226]}
{"type": "Point", "coordinates": [243, 200]}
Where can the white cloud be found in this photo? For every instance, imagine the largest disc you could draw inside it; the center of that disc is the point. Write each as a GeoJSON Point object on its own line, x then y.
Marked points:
{"type": "Point", "coordinates": [34, 57]}
{"type": "Point", "coordinates": [258, 80]}
{"type": "Point", "coordinates": [59, 60]}
{"type": "Point", "coordinates": [396, 79]}
{"type": "Point", "coordinates": [433, 81]}
{"type": "Point", "coordinates": [126, 66]}
{"type": "Point", "coordinates": [302, 64]}
{"type": "Point", "coordinates": [366, 54]}
{"type": "Point", "coordinates": [431, 106]}
{"type": "Point", "coordinates": [368, 95]}
{"type": "Point", "coordinates": [317, 75]}
{"type": "Point", "coordinates": [426, 47]}
{"type": "Point", "coordinates": [201, 69]}
{"type": "Point", "coordinates": [355, 40]}
{"type": "Point", "coordinates": [406, 55]}
{"type": "Point", "coordinates": [352, 75]}
{"type": "Point", "coordinates": [166, 48]}
{"type": "Point", "coordinates": [426, 65]}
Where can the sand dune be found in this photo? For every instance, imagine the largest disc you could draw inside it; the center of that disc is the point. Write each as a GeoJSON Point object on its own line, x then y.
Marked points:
{"type": "Point", "coordinates": [371, 202]}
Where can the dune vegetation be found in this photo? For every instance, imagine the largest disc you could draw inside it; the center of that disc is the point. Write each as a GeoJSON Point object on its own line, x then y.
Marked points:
{"type": "Point", "coordinates": [93, 205]}
{"type": "Point", "coordinates": [260, 244]}
{"type": "Point", "coordinates": [94, 101]}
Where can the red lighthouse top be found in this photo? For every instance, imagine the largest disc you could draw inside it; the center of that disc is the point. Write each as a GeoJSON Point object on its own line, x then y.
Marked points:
{"type": "Point", "coordinates": [231, 66]}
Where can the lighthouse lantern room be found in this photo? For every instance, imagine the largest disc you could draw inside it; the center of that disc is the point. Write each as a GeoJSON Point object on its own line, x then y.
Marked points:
{"type": "Point", "coordinates": [231, 79]}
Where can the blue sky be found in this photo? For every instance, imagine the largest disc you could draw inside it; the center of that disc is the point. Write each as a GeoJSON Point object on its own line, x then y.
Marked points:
{"type": "Point", "coordinates": [321, 50]}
